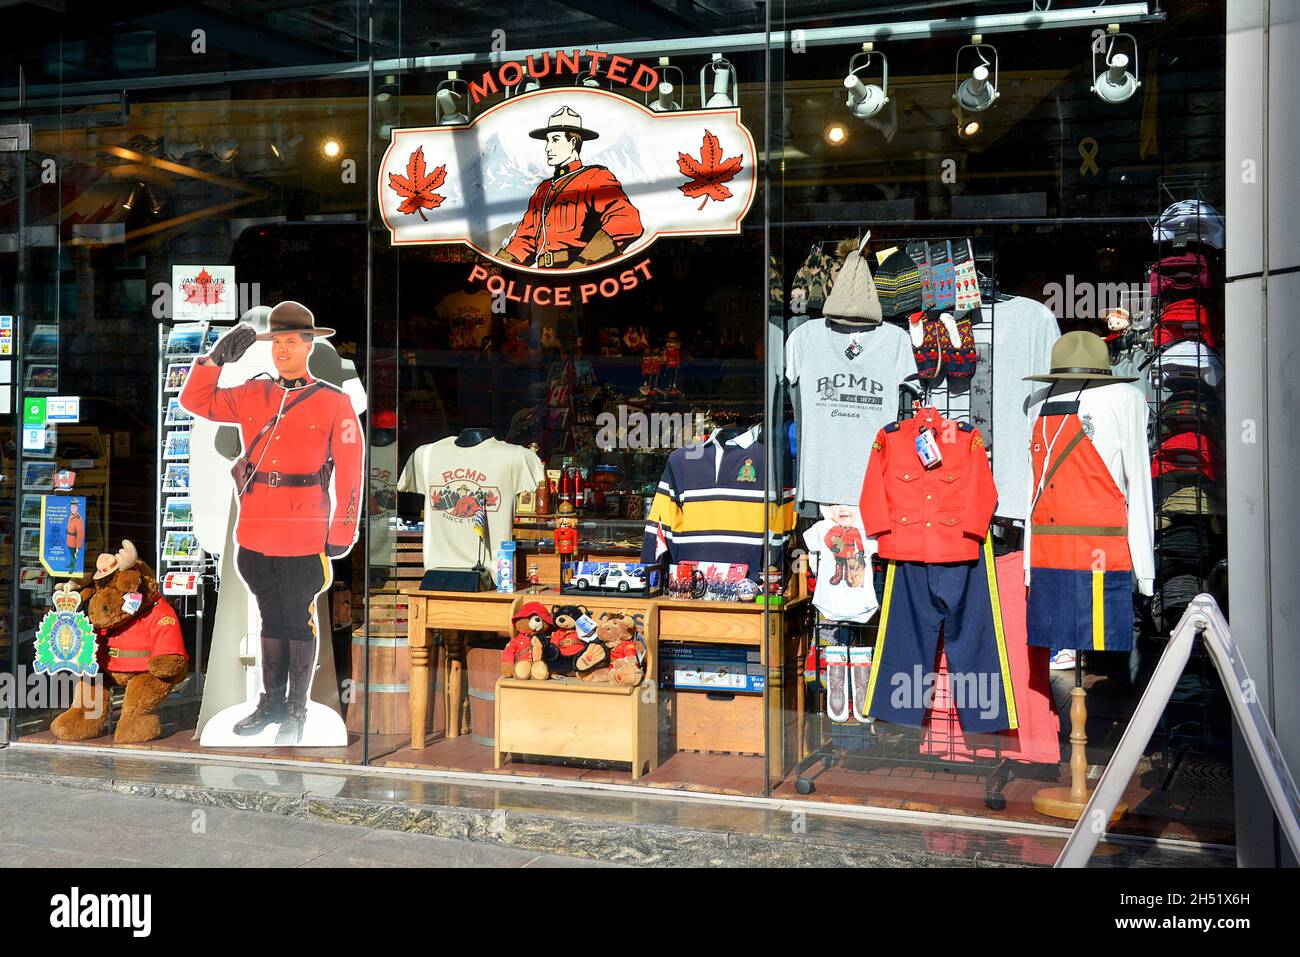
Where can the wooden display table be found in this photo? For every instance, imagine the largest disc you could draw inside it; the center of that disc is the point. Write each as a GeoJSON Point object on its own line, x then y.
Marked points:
{"type": "Point", "coordinates": [713, 722]}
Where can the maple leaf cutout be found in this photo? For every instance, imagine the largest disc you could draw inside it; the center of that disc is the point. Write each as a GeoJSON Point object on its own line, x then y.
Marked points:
{"type": "Point", "coordinates": [708, 174]}
{"type": "Point", "coordinates": [203, 291]}
{"type": "Point", "coordinates": [417, 187]}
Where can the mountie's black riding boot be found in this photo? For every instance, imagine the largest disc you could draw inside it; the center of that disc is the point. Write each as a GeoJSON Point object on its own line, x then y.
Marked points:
{"type": "Point", "coordinates": [271, 706]}
{"type": "Point", "coordinates": [302, 660]}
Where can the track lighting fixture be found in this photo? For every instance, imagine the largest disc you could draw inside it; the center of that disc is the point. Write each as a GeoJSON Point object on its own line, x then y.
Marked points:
{"type": "Point", "coordinates": [979, 91]}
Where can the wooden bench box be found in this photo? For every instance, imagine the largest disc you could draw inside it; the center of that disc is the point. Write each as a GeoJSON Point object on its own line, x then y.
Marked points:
{"type": "Point", "coordinates": [571, 718]}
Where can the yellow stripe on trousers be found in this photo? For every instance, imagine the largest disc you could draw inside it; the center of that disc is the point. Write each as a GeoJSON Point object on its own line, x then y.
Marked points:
{"type": "Point", "coordinates": [878, 656]}
{"type": "Point", "coordinates": [1009, 694]}
{"type": "Point", "coordinates": [1098, 611]}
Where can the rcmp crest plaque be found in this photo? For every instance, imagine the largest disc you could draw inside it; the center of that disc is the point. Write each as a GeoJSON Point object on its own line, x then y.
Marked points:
{"type": "Point", "coordinates": [65, 639]}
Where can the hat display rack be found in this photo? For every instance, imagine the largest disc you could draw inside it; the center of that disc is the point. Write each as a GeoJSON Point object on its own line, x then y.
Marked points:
{"type": "Point", "coordinates": [1187, 431]}
{"type": "Point", "coordinates": [845, 740]}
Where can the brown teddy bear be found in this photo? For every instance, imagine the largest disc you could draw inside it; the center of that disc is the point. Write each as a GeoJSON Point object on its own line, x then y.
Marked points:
{"type": "Point", "coordinates": [624, 665]}
{"type": "Point", "coordinates": [525, 656]}
{"type": "Point", "coordinates": [612, 653]}
{"type": "Point", "coordinates": [140, 648]}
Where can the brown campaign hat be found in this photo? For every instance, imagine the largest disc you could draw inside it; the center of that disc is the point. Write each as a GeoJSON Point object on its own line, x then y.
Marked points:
{"type": "Point", "coordinates": [1079, 356]}
{"type": "Point", "coordinates": [108, 564]}
{"type": "Point", "coordinates": [564, 120]}
{"type": "Point", "coordinates": [290, 316]}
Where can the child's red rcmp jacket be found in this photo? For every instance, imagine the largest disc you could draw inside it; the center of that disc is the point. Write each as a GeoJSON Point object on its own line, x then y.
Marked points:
{"type": "Point", "coordinates": [936, 515]}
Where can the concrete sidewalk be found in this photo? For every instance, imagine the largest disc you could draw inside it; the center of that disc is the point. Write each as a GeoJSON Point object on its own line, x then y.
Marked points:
{"type": "Point", "coordinates": [111, 829]}
{"type": "Point", "coordinates": [466, 818]}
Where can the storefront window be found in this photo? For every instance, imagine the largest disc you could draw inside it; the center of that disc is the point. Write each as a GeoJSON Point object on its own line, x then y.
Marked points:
{"type": "Point", "coordinates": [540, 394]}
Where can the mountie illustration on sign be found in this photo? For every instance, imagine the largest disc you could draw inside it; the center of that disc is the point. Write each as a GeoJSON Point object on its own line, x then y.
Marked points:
{"type": "Point", "coordinates": [578, 217]}
{"type": "Point", "coordinates": [611, 178]}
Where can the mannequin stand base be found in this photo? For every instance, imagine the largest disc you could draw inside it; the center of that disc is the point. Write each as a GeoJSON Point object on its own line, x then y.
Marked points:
{"type": "Point", "coordinates": [1061, 803]}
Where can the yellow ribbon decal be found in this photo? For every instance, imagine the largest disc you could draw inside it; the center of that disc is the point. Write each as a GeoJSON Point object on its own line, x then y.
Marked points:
{"type": "Point", "coordinates": [1088, 149]}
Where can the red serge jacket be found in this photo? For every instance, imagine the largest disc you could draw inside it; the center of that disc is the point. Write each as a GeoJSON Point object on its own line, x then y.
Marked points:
{"type": "Point", "coordinates": [933, 515]}
{"type": "Point", "coordinates": [157, 632]}
{"type": "Point", "coordinates": [565, 212]}
{"type": "Point", "coordinates": [288, 519]}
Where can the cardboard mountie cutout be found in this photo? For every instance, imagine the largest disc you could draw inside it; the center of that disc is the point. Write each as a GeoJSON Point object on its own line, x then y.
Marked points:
{"type": "Point", "coordinates": [568, 180]}
{"type": "Point", "coordinates": [298, 483]}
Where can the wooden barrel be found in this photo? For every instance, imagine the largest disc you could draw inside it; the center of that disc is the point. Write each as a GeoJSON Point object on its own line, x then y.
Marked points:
{"type": "Point", "coordinates": [483, 662]}
{"type": "Point", "coordinates": [390, 687]}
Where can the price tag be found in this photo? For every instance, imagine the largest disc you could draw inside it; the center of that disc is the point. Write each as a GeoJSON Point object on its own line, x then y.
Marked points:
{"type": "Point", "coordinates": [927, 449]}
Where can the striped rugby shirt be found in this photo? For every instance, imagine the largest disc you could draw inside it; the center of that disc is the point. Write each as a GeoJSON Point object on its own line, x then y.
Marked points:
{"type": "Point", "coordinates": [713, 504]}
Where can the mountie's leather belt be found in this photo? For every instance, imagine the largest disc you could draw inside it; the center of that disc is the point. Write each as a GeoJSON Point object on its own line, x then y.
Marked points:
{"type": "Point", "coordinates": [121, 653]}
{"type": "Point", "coordinates": [287, 479]}
{"type": "Point", "coordinates": [558, 258]}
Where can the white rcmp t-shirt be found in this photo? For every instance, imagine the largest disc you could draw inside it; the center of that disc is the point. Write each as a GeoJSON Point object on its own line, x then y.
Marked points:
{"type": "Point", "coordinates": [853, 597]}
{"type": "Point", "coordinates": [456, 482]}
{"type": "Point", "coordinates": [848, 382]}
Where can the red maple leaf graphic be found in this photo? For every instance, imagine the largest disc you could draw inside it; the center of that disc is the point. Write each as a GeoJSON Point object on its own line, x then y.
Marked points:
{"type": "Point", "coordinates": [417, 187]}
{"type": "Point", "coordinates": [709, 173]}
{"type": "Point", "coordinates": [203, 291]}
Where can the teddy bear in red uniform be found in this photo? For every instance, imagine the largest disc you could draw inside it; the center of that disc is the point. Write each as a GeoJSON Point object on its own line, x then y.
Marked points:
{"type": "Point", "coordinates": [140, 648]}
{"type": "Point", "coordinates": [566, 645]}
{"type": "Point", "coordinates": [524, 655]}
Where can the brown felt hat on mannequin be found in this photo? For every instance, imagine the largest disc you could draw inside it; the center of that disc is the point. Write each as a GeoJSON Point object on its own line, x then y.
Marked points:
{"type": "Point", "coordinates": [1078, 357]}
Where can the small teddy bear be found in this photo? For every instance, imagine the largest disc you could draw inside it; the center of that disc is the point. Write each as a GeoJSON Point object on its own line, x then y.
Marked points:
{"type": "Point", "coordinates": [525, 655]}
{"type": "Point", "coordinates": [566, 644]}
{"type": "Point", "coordinates": [613, 652]}
{"type": "Point", "coordinates": [624, 664]}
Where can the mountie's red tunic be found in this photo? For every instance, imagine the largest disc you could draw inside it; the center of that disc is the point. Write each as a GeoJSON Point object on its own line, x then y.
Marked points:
{"type": "Point", "coordinates": [158, 632]}
{"type": "Point", "coordinates": [566, 211]}
{"type": "Point", "coordinates": [287, 519]}
{"type": "Point", "coordinates": [938, 515]}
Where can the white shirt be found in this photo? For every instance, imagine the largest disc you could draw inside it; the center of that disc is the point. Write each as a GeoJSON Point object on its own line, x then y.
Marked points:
{"type": "Point", "coordinates": [459, 481]}
{"type": "Point", "coordinates": [1117, 413]}
{"type": "Point", "coordinates": [1024, 332]}
{"type": "Point", "coordinates": [853, 597]}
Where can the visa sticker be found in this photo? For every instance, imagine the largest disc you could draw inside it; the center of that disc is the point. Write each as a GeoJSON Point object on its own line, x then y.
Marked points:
{"type": "Point", "coordinates": [131, 602]}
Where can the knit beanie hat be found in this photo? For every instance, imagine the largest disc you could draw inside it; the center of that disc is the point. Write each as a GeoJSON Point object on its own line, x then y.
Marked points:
{"type": "Point", "coordinates": [898, 283]}
{"type": "Point", "coordinates": [854, 294]}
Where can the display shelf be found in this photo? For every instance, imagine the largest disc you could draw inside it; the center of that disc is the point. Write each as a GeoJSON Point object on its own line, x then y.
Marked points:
{"type": "Point", "coordinates": [487, 614]}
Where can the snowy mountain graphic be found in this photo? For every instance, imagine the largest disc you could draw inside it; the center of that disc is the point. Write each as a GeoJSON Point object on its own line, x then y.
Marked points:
{"type": "Point", "coordinates": [504, 177]}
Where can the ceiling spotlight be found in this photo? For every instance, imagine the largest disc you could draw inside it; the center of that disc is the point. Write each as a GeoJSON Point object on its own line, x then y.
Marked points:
{"type": "Point", "coordinates": [178, 141]}
{"type": "Point", "coordinates": [977, 92]}
{"type": "Point", "coordinates": [283, 145]}
{"type": "Point", "coordinates": [530, 85]}
{"type": "Point", "coordinates": [447, 100]}
{"type": "Point", "coordinates": [129, 203]}
{"type": "Point", "coordinates": [1116, 84]}
{"type": "Point", "coordinates": [725, 85]}
{"type": "Point", "coordinates": [224, 149]}
{"type": "Point", "coordinates": [836, 133]}
{"type": "Point", "coordinates": [588, 79]}
{"type": "Point", "coordinates": [865, 100]}
{"type": "Point", "coordinates": [968, 127]}
{"type": "Point", "coordinates": [331, 147]}
{"type": "Point", "coordinates": [387, 90]}
{"type": "Point", "coordinates": [668, 99]}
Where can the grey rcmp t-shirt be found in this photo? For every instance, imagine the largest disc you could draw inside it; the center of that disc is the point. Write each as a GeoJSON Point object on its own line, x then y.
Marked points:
{"type": "Point", "coordinates": [843, 402]}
